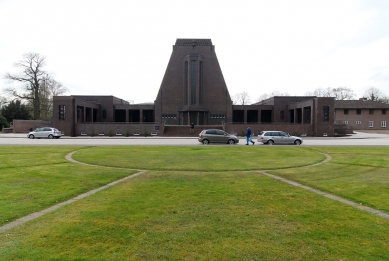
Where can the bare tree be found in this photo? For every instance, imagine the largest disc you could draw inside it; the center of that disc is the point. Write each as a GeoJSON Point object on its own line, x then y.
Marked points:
{"type": "Point", "coordinates": [241, 98]}
{"type": "Point", "coordinates": [321, 92]}
{"type": "Point", "coordinates": [31, 78]}
{"type": "Point", "coordinates": [278, 93]}
{"type": "Point", "coordinates": [3, 101]}
{"type": "Point", "coordinates": [262, 97]}
{"type": "Point", "coordinates": [48, 89]}
{"type": "Point", "coordinates": [272, 94]}
{"type": "Point", "coordinates": [340, 93]}
{"type": "Point", "coordinates": [375, 94]}
{"type": "Point", "coordinates": [343, 93]}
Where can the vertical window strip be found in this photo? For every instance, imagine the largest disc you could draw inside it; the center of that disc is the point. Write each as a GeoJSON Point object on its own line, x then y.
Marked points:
{"type": "Point", "coordinates": [186, 84]}
{"type": "Point", "coordinates": [61, 112]}
{"type": "Point", "coordinates": [201, 84]}
{"type": "Point", "coordinates": [193, 85]}
{"type": "Point", "coordinates": [326, 113]}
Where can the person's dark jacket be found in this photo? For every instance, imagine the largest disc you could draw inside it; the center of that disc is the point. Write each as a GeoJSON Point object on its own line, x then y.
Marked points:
{"type": "Point", "coordinates": [248, 132]}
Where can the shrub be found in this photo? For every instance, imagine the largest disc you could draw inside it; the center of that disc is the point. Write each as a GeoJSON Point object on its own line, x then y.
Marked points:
{"type": "Point", "coordinates": [3, 122]}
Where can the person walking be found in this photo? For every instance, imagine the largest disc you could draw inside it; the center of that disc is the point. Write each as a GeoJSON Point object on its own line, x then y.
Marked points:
{"type": "Point", "coordinates": [248, 136]}
{"type": "Point", "coordinates": [191, 128]}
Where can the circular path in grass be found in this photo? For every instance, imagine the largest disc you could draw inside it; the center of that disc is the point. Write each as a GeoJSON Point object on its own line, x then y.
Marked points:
{"type": "Point", "coordinates": [204, 158]}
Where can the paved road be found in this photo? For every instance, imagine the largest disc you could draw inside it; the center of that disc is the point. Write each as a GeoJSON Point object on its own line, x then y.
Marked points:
{"type": "Point", "coordinates": [358, 139]}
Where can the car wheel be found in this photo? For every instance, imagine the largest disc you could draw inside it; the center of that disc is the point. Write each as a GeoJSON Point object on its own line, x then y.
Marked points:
{"type": "Point", "coordinates": [51, 136]}
{"type": "Point", "coordinates": [232, 142]}
{"type": "Point", "coordinates": [297, 142]}
{"type": "Point", "coordinates": [270, 142]}
{"type": "Point", "coordinates": [205, 141]}
{"type": "Point", "coordinates": [31, 136]}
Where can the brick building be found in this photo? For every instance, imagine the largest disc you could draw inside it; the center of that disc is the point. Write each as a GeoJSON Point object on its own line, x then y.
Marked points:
{"type": "Point", "coordinates": [362, 114]}
{"type": "Point", "coordinates": [193, 89]}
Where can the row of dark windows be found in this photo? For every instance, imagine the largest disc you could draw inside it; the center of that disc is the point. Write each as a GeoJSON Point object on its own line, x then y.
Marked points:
{"type": "Point", "coordinates": [359, 111]}
{"type": "Point", "coordinates": [217, 116]}
{"type": "Point", "coordinates": [62, 110]}
{"type": "Point", "coordinates": [307, 113]}
{"type": "Point", "coordinates": [169, 116]}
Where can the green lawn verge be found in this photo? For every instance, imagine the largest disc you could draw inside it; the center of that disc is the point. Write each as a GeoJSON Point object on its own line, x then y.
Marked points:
{"type": "Point", "coordinates": [201, 216]}
{"type": "Point", "coordinates": [195, 203]}
{"type": "Point", "coordinates": [34, 178]}
{"type": "Point", "coordinates": [360, 174]}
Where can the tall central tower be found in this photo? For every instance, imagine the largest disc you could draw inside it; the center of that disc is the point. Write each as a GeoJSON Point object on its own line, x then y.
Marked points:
{"type": "Point", "coordinates": [193, 87]}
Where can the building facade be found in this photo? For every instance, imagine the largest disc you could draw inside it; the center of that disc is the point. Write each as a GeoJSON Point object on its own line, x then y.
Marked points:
{"type": "Point", "coordinates": [193, 89]}
{"type": "Point", "coordinates": [362, 114]}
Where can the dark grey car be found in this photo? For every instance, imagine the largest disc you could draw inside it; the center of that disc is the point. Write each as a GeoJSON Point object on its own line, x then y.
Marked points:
{"type": "Point", "coordinates": [278, 137]}
{"type": "Point", "coordinates": [217, 136]}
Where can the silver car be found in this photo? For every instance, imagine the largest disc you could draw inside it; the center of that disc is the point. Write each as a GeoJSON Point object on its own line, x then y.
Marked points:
{"type": "Point", "coordinates": [217, 136]}
{"type": "Point", "coordinates": [45, 132]}
{"type": "Point", "coordinates": [278, 137]}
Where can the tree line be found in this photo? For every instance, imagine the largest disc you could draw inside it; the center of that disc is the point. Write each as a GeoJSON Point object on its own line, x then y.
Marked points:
{"type": "Point", "coordinates": [339, 93]}
{"type": "Point", "coordinates": [32, 97]}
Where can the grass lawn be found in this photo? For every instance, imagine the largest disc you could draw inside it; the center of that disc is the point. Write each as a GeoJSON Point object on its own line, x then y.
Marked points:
{"type": "Point", "coordinates": [199, 158]}
{"type": "Point", "coordinates": [360, 174]}
{"type": "Point", "coordinates": [204, 203]}
{"type": "Point", "coordinates": [34, 178]}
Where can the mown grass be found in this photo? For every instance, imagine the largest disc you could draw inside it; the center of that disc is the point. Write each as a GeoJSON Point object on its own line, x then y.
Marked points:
{"type": "Point", "coordinates": [215, 214]}
{"type": "Point", "coordinates": [202, 216]}
{"type": "Point", "coordinates": [34, 178]}
{"type": "Point", "coordinates": [204, 158]}
{"type": "Point", "coordinates": [360, 174]}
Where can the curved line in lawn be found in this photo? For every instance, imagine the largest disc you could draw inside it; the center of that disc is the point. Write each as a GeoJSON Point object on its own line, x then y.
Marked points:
{"type": "Point", "coordinates": [35, 215]}
{"type": "Point", "coordinates": [325, 194]}
{"type": "Point", "coordinates": [68, 157]}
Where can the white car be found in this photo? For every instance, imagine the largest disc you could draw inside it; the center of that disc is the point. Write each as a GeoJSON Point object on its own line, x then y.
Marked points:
{"type": "Point", "coordinates": [278, 137]}
{"type": "Point", "coordinates": [45, 132]}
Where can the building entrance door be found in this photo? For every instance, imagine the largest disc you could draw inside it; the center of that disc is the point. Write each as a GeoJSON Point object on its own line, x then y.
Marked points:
{"type": "Point", "coordinates": [197, 117]}
{"type": "Point", "coordinates": [193, 117]}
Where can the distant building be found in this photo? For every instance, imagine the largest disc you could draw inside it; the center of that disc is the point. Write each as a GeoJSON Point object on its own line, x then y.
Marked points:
{"type": "Point", "coordinates": [193, 89]}
{"type": "Point", "coordinates": [362, 114]}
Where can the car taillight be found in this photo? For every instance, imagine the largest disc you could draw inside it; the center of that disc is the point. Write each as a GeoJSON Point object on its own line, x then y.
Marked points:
{"type": "Point", "coordinates": [261, 138]}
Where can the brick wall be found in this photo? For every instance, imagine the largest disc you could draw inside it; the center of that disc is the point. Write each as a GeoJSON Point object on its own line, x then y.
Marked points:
{"type": "Point", "coordinates": [95, 128]}
{"type": "Point", "coordinates": [25, 126]}
{"type": "Point", "coordinates": [352, 117]}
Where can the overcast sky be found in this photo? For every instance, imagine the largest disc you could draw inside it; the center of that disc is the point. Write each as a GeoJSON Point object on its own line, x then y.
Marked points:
{"type": "Point", "coordinates": [122, 48]}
